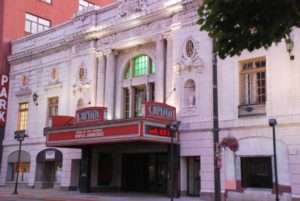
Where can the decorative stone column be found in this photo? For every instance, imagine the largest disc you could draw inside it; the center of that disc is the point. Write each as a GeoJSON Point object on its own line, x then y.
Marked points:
{"type": "Point", "coordinates": [169, 69]}
{"type": "Point", "coordinates": [131, 102]}
{"type": "Point", "coordinates": [101, 79]}
{"type": "Point", "coordinates": [110, 83]}
{"type": "Point", "coordinates": [159, 68]}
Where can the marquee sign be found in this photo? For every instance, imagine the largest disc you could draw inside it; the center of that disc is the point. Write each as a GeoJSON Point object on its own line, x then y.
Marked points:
{"type": "Point", "coordinates": [81, 134]}
{"type": "Point", "coordinates": [157, 131]}
{"type": "Point", "coordinates": [91, 114]}
{"type": "Point", "coordinates": [159, 111]}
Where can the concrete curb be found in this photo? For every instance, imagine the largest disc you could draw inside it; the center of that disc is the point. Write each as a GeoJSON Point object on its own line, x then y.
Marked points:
{"type": "Point", "coordinates": [46, 198]}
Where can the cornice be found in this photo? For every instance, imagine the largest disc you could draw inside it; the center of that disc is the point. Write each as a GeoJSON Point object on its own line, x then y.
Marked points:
{"type": "Point", "coordinates": [108, 28]}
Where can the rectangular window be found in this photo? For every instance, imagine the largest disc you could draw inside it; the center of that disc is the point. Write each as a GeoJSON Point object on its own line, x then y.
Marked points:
{"type": "Point", "coordinates": [24, 170]}
{"type": "Point", "coordinates": [52, 109]}
{"type": "Point", "coordinates": [139, 98]}
{"type": "Point", "coordinates": [126, 102]}
{"type": "Point", "coordinates": [22, 116]}
{"type": "Point", "coordinates": [34, 24]}
{"type": "Point", "coordinates": [47, 1]}
{"type": "Point", "coordinates": [253, 82]}
{"type": "Point", "coordinates": [256, 172]}
{"type": "Point", "coordinates": [83, 4]}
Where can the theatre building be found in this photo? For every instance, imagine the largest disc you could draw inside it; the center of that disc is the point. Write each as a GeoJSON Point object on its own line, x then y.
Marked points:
{"type": "Point", "coordinates": [94, 96]}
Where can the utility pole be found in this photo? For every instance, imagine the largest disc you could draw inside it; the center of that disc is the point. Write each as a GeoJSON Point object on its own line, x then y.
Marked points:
{"type": "Point", "coordinates": [217, 179]}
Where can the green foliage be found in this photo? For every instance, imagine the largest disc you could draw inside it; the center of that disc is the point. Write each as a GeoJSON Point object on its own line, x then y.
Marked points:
{"type": "Point", "coordinates": [247, 24]}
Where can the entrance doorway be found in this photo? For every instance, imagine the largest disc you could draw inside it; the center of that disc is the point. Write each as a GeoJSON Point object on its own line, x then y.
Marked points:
{"type": "Point", "coordinates": [48, 168]}
{"type": "Point", "coordinates": [193, 167]}
{"type": "Point", "coordinates": [144, 172]}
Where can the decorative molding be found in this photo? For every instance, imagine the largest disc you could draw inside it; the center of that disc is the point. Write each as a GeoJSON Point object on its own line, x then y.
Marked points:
{"type": "Point", "coordinates": [190, 63]}
{"type": "Point", "coordinates": [82, 46]}
{"type": "Point", "coordinates": [157, 26]}
{"type": "Point", "coordinates": [53, 85]}
{"type": "Point", "coordinates": [100, 54]}
{"type": "Point", "coordinates": [128, 7]}
{"type": "Point", "coordinates": [189, 110]}
{"type": "Point", "coordinates": [125, 28]}
{"type": "Point", "coordinates": [24, 91]}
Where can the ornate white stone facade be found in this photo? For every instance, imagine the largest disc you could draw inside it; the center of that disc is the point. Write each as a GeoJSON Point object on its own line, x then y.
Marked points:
{"type": "Point", "coordinates": [90, 53]}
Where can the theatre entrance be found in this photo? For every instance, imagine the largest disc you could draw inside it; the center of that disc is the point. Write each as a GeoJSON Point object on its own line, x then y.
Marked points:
{"type": "Point", "coordinates": [144, 172]}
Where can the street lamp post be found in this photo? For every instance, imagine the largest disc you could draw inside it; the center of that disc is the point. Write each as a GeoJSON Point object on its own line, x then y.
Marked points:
{"type": "Point", "coordinates": [173, 128]}
{"type": "Point", "coordinates": [273, 123]}
{"type": "Point", "coordinates": [20, 136]}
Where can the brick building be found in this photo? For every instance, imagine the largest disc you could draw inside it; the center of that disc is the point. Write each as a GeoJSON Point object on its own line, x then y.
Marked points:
{"type": "Point", "coordinates": [21, 18]}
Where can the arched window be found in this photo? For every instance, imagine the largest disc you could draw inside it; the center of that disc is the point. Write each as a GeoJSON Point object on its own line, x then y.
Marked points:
{"type": "Point", "coordinates": [189, 93]}
{"type": "Point", "coordinates": [139, 66]}
{"type": "Point", "coordinates": [24, 167]}
{"type": "Point", "coordinates": [142, 90]}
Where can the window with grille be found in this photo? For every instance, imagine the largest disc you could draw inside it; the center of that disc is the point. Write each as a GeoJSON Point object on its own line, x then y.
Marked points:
{"type": "Point", "coordinates": [52, 108]}
{"type": "Point", "coordinates": [253, 82]}
{"type": "Point", "coordinates": [34, 24]}
{"type": "Point", "coordinates": [256, 172]}
{"type": "Point", "coordinates": [22, 116]}
{"type": "Point", "coordinates": [139, 66]}
{"type": "Point", "coordinates": [139, 98]}
{"type": "Point", "coordinates": [127, 102]}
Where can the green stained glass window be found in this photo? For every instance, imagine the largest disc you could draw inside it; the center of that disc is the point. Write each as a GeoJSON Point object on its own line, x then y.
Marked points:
{"type": "Point", "coordinates": [128, 73]}
{"type": "Point", "coordinates": [152, 68]}
{"type": "Point", "coordinates": [140, 65]}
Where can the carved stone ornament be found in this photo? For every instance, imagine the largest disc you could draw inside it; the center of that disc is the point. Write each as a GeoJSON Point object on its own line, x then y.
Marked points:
{"type": "Point", "coordinates": [24, 81]}
{"type": "Point", "coordinates": [82, 73]}
{"type": "Point", "coordinates": [24, 86]}
{"type": "Point", "coordinates": [128, 7]}
{"type": "Point", "coordinates": [190, 59]}
{"type": "Point", "coordinates": [82, 83]}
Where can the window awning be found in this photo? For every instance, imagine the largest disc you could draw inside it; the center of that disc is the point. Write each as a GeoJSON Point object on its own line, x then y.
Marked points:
{"type": "Point", "coordinates": [24, 157]}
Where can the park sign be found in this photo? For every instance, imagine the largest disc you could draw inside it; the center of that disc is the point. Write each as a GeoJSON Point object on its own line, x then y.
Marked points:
{"type": "Point", "coordinates": [91, 114]}
{"type": "Point", "coordinates": [159, 111]}
{"type": "Point", "coordinates": [3, 98]}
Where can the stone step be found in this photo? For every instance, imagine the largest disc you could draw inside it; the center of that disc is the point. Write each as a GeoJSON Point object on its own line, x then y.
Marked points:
{"type": "Point", "coordinates": [256, 195]}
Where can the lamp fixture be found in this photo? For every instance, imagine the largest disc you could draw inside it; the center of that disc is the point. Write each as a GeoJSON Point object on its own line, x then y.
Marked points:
{"type": "Point", "coordinates": [289, 47]}
{"type": "Point", "coordinates": [34, 98]}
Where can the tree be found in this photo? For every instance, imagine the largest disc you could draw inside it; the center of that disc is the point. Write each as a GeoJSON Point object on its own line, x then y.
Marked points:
{"type": "Point", "coordinates": [247, 24]}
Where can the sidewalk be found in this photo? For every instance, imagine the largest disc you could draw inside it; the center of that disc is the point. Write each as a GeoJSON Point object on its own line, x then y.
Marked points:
{"type": "Point", "coordinates": [56, 195]}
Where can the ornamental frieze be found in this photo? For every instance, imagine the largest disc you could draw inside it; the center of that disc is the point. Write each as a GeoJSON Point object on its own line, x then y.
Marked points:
{"type": "Point", "coordinates": [128, 7]}
{"type": "Point", "coordinates": [157, 26]}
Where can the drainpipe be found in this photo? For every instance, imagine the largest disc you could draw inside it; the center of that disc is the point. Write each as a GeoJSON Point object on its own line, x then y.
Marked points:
{"type": "Point", "coordinates": [165, 72]}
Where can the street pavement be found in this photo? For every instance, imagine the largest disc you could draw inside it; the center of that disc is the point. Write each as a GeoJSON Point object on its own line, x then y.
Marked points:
{"type": "Point", "coordinates": [17, 199]}
{"type": "Point", "coordinates": [57, 195]}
